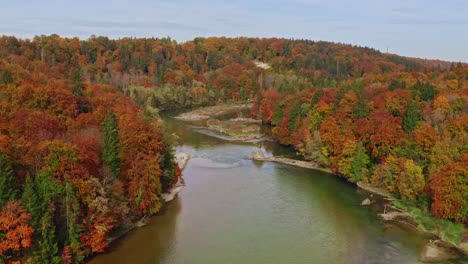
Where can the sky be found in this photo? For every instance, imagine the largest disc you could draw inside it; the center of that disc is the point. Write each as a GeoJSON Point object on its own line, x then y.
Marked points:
{"type": "Point", "coordinates": [432, 29]}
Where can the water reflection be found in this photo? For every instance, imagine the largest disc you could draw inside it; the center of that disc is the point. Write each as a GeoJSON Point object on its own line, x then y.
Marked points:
{"type": "Point", "coordinates": [243, 211]}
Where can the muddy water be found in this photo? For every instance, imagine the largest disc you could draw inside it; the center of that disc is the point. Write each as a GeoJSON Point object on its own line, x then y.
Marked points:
{"type": "Point", "coordinates": [240, 211]}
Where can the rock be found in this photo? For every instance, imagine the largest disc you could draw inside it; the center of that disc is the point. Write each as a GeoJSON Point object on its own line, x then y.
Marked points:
{"type": "Point", "coordinates": [366, 202]}
{"type": "Point", "coordinates": [257, 154]}
{"type": "Point", "coordinates": [182, 158]}
{"type": "Point", "coordinates": [169, 196]}
{"type": "Point", "coordinates": [435, 251]}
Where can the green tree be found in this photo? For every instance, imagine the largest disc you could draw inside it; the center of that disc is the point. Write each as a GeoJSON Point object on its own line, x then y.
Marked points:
{"type": "Point", "coordinates": [277, 115]}
{"type": "Point", "coordinates": [77, 80]}
{"type": "Point", "coordinates": [6, 77]}
{"type": "Point", "coordinates": [37, 199]}
{"type": "Point", "coordinates": [7, 181]}
{"type": "Point", "coordinates": [47, 247]}
{"type": "Point", "coordinates": [411, 117]}
{"type": "Point", "coordinates": [111, 147]}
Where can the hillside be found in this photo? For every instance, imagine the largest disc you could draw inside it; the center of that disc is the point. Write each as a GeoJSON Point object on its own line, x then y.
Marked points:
{"type": "Point", "coordinates": [83, 155]}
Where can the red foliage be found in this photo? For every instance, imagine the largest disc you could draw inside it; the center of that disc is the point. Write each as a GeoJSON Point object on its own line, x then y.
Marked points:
{"type": "Point", "coordinates": [15, 233]}
{"type": "Point", "coordinates": [450, 187]}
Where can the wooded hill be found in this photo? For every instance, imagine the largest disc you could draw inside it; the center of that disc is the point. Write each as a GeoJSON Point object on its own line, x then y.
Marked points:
{"type": "Point", "coordinates": [80, 161]}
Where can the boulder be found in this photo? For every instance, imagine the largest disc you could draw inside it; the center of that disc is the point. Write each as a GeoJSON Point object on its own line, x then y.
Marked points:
{"type": "Point", "coordinates": [434, 251]}
{"type": "Point", "coordinates": [257, 154]}
{"type": "Point", "coordinates": [366, 202]}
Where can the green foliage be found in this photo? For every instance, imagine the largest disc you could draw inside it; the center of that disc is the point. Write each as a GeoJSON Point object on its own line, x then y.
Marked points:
{"type": "Point", "coordinates": [396, 83]}
{"type": "Point", "coordinates": [354, 161]}
{"type": "Point", "coordinates": [277, 115]}
{"type": "Point", "coordinates": [71, 213]}
{"type": "Point", "coordinates": [447, 230]}
{"type": "Point", "coordinates": [293, 116]}
{"type": "Point", "coordinates": [317, 95]}
{"type": "Point", "coordinates": [37, 199]}
{"type": "Point", "coordinates": [411, 117]}
{"type": "Point", "coordinates": [360, 163]}
{"type": "Point", "coordinates": [168, 163]}
{"type": "Point", "coordinates": [111, 144]}
{"type": "Point", "coordinates": [77, 81]}
{"type": "Point", "coordinates": [46, 250]}
{"type": "Point", "coordinates": [361, 110]}
{"type": "Point", "coordinates": [6, 77]}
{"type": "Point", "coordinates": [314, 150]}
{"type": "Point", "coordinates": [8, 190]}
{"type": "Point", "coordinates": [425, 91]}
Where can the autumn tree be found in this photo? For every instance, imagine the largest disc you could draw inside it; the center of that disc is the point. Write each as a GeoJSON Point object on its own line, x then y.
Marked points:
{"type": "Point", "coordinates": [353, 161]}
{"type": "Point", "coordinates": [15, 232]}
{"type": "Point", "coordinates": [450, 186]}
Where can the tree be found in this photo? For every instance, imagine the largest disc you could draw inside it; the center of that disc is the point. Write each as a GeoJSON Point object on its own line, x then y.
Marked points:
{"type": "Point", "coordinates": [6, 77]}
{"type": "Point", "coordinates": [15, 233]}
{"type": "Point", "coordinates": [47, 247]}
{"type": "Point", "coordinates": [400, 176]}
{"type": "Point", "coordinates": [353, 161]}
{"type": "Point", "coordinates": [111, 145]}
{"type": "Point", "coordinates": [8, 190]}
{"type": "Point", "coordinates": [37, 199]}
{"type": "Point", "coordinates": [77, 80]}
{"type": "Point", "coordinates": [450, 186]}
{"type": "Point", "coordinates": [411, 117]}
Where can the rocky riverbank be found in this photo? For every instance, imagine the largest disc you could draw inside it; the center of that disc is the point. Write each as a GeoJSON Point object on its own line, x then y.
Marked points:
{"type": "Point", "coordinates": [206, 113]}
{"type": "Point", "coordinates": [182, 159]}
{"type": "Point", "coordinates": [434, 251]}
{"type": "Point", "coordinates": [258, 155]}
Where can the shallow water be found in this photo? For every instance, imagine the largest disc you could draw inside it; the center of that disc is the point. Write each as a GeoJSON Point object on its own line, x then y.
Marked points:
{"type": "Point", "coordinates": [234, 210]}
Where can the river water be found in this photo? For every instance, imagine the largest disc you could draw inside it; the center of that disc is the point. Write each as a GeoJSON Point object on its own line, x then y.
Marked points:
{"type": "Point", "coordinates": [234, 210]}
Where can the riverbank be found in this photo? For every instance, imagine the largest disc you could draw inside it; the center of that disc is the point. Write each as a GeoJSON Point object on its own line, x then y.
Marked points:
{"type": "Point", "coordinates": [237, 128]}
{"type": "Point", "coordinates": [208, 112]}
{"type": "Point", "coordinates": [182, 159]}
{"type": "Point", "coordinates": [259, 156]}
{"type": "Point", "coordinates": [437, 249]}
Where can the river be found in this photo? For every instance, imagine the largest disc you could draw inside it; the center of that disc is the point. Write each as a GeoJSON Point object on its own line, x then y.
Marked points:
{"type": "Point", "coordinates": [234, 210]}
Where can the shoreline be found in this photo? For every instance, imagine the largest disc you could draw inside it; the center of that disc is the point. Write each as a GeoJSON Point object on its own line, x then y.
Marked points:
{"type": "Point", "coordinates": [395, 215]}
{"type": "Point", "coordinates": [205, 113]}
{"type": "Point", "coordinates": [182, 159]}
{"type": "Point", "coordinates": [292, 162]}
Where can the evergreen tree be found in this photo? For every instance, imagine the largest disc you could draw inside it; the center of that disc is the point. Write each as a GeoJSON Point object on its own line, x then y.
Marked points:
{"type": "Point", "coordinates": [47, 248]}
{"type": "Point", "coordinates": [411, 117]}
{"type": "Point", "coordinates": [77, 81]}
{"type": "Point", "coordinates": [32, 202]}
{"type": "Point", "coordinates": [293, 115]}
{"type": "Point", "coordinates": [168, 163]}
{"type": "Point", "coordinates": [37, 199]}
{"type": "Point", "coordinates": [6, 77]}
{"type": "Point", "coordinates": [111, 148]}
{"type": "Point", "coordinates": [7, 181]}
{"type": "Point", "coordinates": [277, 115]}
{"type": "Point", "coordinates": [360, 162]}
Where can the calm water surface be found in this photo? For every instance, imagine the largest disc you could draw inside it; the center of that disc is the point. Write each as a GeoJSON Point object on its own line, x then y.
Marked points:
{"type": "Point", "coordinates": [240, 211]}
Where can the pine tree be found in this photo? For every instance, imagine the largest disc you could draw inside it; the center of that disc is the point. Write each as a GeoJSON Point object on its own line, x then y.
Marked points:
{"type": "Point", "coordinates": [411, 117]}
{"type": "Point", "coordinates": [77, 80]}
{"type": "Point", "coordinates": [37, 199]}
{"type": "Point", "coordinates": [32, 202]}
{"type": "Point", "coordinates": [47, 248]}
{"type": "Point", "coordinates": [111, 147]}
{"type": "Point", "coordinates": [7, 181]}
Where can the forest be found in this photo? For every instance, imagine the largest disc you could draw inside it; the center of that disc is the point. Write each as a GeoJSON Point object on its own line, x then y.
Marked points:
{"type": "Point", "coordinates": [83, 154]}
